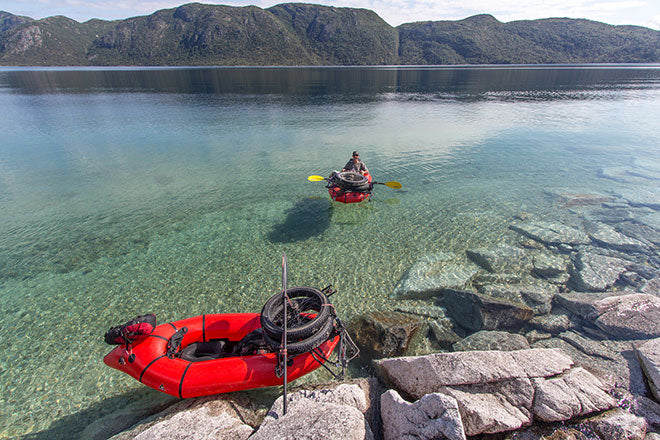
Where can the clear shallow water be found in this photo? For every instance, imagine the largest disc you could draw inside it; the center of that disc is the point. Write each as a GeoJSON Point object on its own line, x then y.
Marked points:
{"type": "Point", "coordinates": [175, 191]}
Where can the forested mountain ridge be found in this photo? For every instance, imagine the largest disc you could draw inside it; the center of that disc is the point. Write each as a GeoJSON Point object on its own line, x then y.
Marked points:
{"type": "Point", "coordinates": [304, 34]}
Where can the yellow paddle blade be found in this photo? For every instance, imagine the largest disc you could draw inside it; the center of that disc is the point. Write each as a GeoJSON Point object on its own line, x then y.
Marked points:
{"type": "Point", "coordinates": [393, 184]}
{"type": "Point", "coordinates": [315, 178]}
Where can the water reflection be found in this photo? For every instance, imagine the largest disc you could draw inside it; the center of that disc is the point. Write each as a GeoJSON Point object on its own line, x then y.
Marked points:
{"type": "Point", "coordinates": [342, 83]}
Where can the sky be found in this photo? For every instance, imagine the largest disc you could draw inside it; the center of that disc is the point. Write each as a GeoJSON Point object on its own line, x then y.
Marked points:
{"type": "Point", "coordinates": [636, 12]}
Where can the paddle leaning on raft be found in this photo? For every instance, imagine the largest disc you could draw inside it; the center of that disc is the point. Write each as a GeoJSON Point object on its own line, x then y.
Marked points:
{"type": "Point", "coordinates": [221, 353]}
{"type": "Point", "coordinates": [350, 187]}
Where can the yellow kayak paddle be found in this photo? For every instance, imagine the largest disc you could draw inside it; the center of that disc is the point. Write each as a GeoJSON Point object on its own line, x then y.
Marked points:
{"type": "Point", "coordinates": [391, 184]}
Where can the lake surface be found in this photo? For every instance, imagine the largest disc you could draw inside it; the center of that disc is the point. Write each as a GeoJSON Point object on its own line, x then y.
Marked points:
{"type": "Point", "coordinates": [175, 191]}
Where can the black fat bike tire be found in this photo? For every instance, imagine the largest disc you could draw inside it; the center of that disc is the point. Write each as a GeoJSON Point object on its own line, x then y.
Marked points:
{"type": "Point", "coordinates": [303, 297]}
{"type": "Point", "coordinates": [295, 347]}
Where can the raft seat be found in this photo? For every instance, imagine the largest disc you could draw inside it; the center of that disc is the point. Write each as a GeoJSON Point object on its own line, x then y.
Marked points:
{"type": "Point", "coordinates": [204, 351]}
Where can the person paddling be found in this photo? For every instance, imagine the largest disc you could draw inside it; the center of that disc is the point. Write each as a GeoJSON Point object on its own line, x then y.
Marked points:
{"type": "Point", "coordinates": [356, 165]}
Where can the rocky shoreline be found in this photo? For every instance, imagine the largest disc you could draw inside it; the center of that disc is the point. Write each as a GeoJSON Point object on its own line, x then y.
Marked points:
{"type": "Point", "coordinates": [555, 334]}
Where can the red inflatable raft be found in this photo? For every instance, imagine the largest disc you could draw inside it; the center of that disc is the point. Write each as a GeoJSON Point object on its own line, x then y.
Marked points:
{"type": "Point", "coordinates": [147, 360]}
{"type": "Point", "coordinates": [339, 194]}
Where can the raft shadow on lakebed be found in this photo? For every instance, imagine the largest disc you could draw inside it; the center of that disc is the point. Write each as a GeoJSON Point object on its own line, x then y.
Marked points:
{"type": "Point", "coordinates": [308, 218]}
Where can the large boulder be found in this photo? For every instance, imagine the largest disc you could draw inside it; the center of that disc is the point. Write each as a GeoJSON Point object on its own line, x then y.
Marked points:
{"type": "Point", "coordinates": [500, 391]}
{"type": "Point", "coordinates": [648, 354]}
{"type": "Point", "coordinates": [433, 416]}
{"type": "Point", "coordinates": [433, 273]}
{"type": "Point", "coordinates": [634, 316]}
{"type": "Point", "coordinates": [476, 312]}
{"type": "Point", "coordinates": [385, 334]}
{"type": "Point", "coordinates": [420, 375]}
{"type": "Point", "coordinates": [551, 233]}
{"type": "Point", "coordinates": [575, 393]}
{"type": "Point", "coordinates": [595, 272]}
{"type": "Point", "coordinates": [492, 340]}
{"type": "Point", "coordinates": [319, 414]}
{"type": "Point", "coordinates": [206, 418]}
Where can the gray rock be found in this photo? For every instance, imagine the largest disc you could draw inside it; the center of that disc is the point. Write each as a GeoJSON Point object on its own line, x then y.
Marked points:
{"type": "Point", "coordinates": [623, 372]}
{"type": "Point", "coordinates": [483, 277]}
{"type": "Point", "coordinates": [629, 316]}
{"type": "Point", "coordinates": [575, 393]}
{"type": "Point", "coordinates": [535, 296]}
{"type": "Point", "coordinates": [649, 358]}
{"type": "Point", "coordinates": [582, 303]}
{"type": "Point", "coordinates": [344, 394]}
{"type": "Point", "coordinates": [651, 287]}
{"type": "Point", "coordinates": [444, 331]}
{"type": "Point", "coordinates": [433, 416]}
{"type": "Point", "coordinates": [551, 233]}
{"type": "Point", "coordinates": [587, 345]}
{"type": "Point", "coordinates": [433, 273]}
{"type": "Point", "coordinates": [536, 335]}
{"type": "Point", "coordinates": [481, 312]}
{"type": "Point", "coordinates": [420, 375]}
{"type": "Point", "coordinates": [552, 323]}
{"type": "Point", "coordinates": [548, 265]}
{"type": "Point", "coordinates": [652, 220]}
{"type": "Point", "coordinates": [638, 405]}
{"type": "Point", "coordinates": [385, 334]}
{"type": "Point", "coordinates": [618, 424]}
{"type": "Point", "coordinates": [607, 236]}
{"type": "Point", "coordinates": [594, 272]}
{"type": "Point", "coordinates": [205, 418]}
{"type": "Point", "coordinates": [492, 340]}
{"type": "Point", "coordinates": [642, 232]}
{"type": "Point", "coordinates": [503, 258]}
{"type": "Point", "coordinates": [490, 408]}
{"type": "Point", "coordinates": [652, 436]}
{"type": "Point", "coordinates": [311, 420]}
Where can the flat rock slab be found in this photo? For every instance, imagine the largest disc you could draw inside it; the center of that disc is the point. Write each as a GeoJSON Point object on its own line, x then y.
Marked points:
{"type": "Point", "coordinates": [537, 297]}
{"type": "Point", "coordinates": [595, 272]}
{"type": "Point", "coordinates": [433, 273]}
{"type": "Point", "coordinates": [607, 236]}
{"type": "Point", "coordinates": [649, 197]}
{"type": "Point", "coordinates": [551, 233]}
{"type": "Point", "coordinates": [649, 358]}
{"type": "Point", "coordinates": [420, 375]}
{"type": "Point", "coordinates": [572, 394]}
{"type": "Point", "coordinates": [433, 416]}
{"type": "Point", "coordinates": [503, 258]}
{"type": "Point", "coordinates": [311, 420]}
{"type": "Point", "coordinates": [634, 316]}
{"type": "Point", "coordinates": [476, 311]}
{"type": "Point", "coordinates": [618, 424]}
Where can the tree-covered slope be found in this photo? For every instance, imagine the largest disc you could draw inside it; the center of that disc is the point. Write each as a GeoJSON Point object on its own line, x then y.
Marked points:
{"type": "Point", "coordinates": [304, 34]}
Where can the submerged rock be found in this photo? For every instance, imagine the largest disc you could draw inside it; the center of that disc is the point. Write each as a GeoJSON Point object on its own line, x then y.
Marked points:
{"type": "Point", "coordinates": [551, 233]}
{"type": "Point", "coordinates": [554, 323]}
{"type": "Point", "coordinates": [475, 311]}
{"type": "Point", "coordinates": [433, 273]}
{"type": "Point", "coordinates": [607, 236]}
{"type": "Point", "coordinates": [649, 358]}
{"type": "Point", "coordinates": [595, 272]}
{"type": "Point", "coordinates": [445, 332]}
{"type": "Point", "coordinates": [502, 258]}
{"type": "Point", "coordinates": [385, 334]}
{"type": "Point", "coordinates": [492, 340]}
{"type": "Point", "coordinates": [648, 196]}
{"type": "Point", "coordinates": [433, 416]}
{"type": "Point", "coordinates": [548, 265]}
{"type": "Point", "coordinates": [538, 297]}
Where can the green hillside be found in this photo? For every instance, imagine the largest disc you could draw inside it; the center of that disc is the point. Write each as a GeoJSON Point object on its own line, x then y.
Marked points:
{"type": "Point", "coordinates": [304, 34]}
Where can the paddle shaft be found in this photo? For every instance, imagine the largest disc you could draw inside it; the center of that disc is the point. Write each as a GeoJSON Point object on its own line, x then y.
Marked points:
{"type": "Point", "coordinates": [284, 351]}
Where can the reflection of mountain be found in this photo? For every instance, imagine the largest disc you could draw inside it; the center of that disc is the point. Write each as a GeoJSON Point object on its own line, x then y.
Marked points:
{"type": "Point", "coordinates": [303, 34]}
{"type": "Point", "coordinates": [353, 84]}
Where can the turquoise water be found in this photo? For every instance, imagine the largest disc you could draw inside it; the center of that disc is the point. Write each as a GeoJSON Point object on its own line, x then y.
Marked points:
{"type": "Point", "coordinates": [175, 191]}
